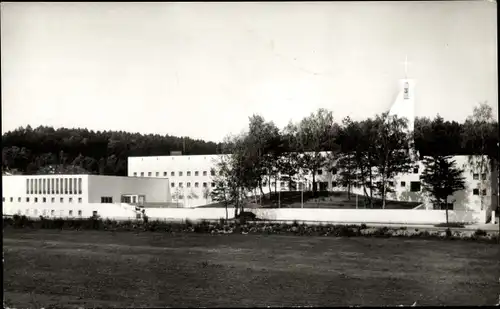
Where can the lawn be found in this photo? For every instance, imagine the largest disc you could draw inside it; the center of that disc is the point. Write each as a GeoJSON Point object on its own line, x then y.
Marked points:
{"type": "Point", "coordinates": [108, 269]}
{"type": "Point", "coordinates": [324, 199]}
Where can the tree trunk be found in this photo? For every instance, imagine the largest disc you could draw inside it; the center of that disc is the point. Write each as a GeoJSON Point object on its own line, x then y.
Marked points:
{"type": "Point", "coordinates": [227, 215]}
{"type": "Point", "coordinates": [349, 191]}
{"type": "Point", "coordinates": [446, 203]}
{"type": "Point", "coordinates": [314, 183]}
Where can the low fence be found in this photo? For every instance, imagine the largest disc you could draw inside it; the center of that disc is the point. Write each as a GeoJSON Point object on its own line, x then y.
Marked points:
{"type": "Point", "coordinates": [393, 216]}
{"type": "Point", "coordinates": [124, 211]}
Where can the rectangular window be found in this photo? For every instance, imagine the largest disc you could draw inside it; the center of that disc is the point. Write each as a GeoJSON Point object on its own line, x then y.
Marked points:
{"type": "Point", "coordinates": [61, 185]}
{"type": "Point", "coordinates": [79, 200]}
{"type": "Point", "coordinates": [403, 184]}
{"type": "Point", "coordinates": [79, 186]}
{"type": "Point", "coordinates": [157, 174]}
{"type": "Point", "coordinates": [189, 173]}
{"type": "Point", "coordinates": [134, 199]}
{"type": "Point", "coordinates": [31, 186]}
{"type": "Point", "coordinates": [320, 172]}
{"type": "Point", "coordinates": [390, 183]}
{"type": "Point", "coordinates": [106, 199]}
{"type": "Point", "coordinates": [180, 184]}
{"type": "Point", "coordinates": [135, 174]}
{"type": "Point", "coordinates": [204, 185]}
{"type": "Point", "coordinates": [142, 174]}
{"type": "Point", "coordinates": [44, 199]}
{"type": "Point", "coordinates": [48, 186]}
{"type": "Point", "coordinates": [164, 174]}
{"type": "Point", "coordinates": [27, 200]}
{"type": "Point", "coordinates": [57, 185]}
{"type": "Point", "coordinates": [204, 173]}
{"type": "Point", "coordinates": [180, 173]}
{"type": "Point", "coordinates": [70, 200]}
{"type": "Point", "coordinates": [71, 213]}
{"type": "Point", "coordinates": [52, 199]}
{"type": "Point", "coordinates": [75, 185]}
{"type": "Point", "coordinates": [483, 176]}
{"type": "Point", "coordinates": [27, 186]}
{"type": "Point", "coordinates": [415, 186]}
{"type": "Point", "coordinates": [212, 173]}
{"type": "Point", "coordinates": [282, 184]}
{"type": "Point", "coordinates": [65, 185]}
{"type": "Point", "coordinates": [334, 184]}
{"type": "Point", "coordinates": [196, 173]}
{"type": "Point", "coordinates": [19, 200]}
{"type": "Point", "coordinates": [40, 186]}
{"type": "Point", "coordinates": [44, 186]}
{"type": "Point", "coordinates": [52, 186]}
{"type": "Point", "coordinates": [36, 199]}
{"type": "Point", "coordinates": [484, 191]}
{"type": "Point", "coordinates": [61, 200]}
{"type": "Point", "coordinates": [52, 212]}
{"type": "Point", "coordinates": [475, 191]}
{"type": "Point", "coordinates": [149, 174]}
{"type": "Point", "coordinates": [188, 184]}
{"type": "Point", "coordinates": [475, 176]}
{"type": "Point", "coordinates": [172, 184]}
{"type": "Point", "coordinates": [70, 186]}
{"type": "Point", "coordinates": [334, 171]}
{"type": "Point", "coordinates": [172, 173]}
{"type": "Point", "coordinates": [213, 184]}
{"type": "Point", "coordinates": [196, 185]}
{"type": "Point", "coordinates": [79, 213]}
{"type": "Point", "coordinates": [415, 170]}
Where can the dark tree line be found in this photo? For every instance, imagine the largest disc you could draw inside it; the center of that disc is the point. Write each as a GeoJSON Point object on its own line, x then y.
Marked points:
{"type": "Point", "coordinates": [32, 151]}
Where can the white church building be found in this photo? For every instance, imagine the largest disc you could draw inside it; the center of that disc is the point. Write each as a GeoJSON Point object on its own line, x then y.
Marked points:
{"type": "Point", "coordinates": [186, 181]}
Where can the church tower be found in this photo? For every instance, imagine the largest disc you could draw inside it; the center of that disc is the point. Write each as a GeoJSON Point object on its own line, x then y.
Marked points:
{"type": "Point", "coordinates": [404, 105]}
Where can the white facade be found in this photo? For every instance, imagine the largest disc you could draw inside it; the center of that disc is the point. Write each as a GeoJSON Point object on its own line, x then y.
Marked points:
{"type": "Point", "coordinates": [196, 169]}
{"type": "Point", "coordinates": [80, 195]}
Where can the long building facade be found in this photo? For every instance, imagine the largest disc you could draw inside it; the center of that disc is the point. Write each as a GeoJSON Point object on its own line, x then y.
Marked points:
{"type": "Point", "coordinates": [192, 179]}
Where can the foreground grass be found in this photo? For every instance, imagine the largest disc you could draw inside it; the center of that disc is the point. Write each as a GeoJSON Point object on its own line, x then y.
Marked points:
{"type": "Point", "coordinates": [123, 269]}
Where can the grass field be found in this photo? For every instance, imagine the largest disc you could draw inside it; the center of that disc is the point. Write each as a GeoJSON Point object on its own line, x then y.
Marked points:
{"type": "Point", "coordinates": [324, 199]}
{"type": "Point", "coordinates": [107, 269]}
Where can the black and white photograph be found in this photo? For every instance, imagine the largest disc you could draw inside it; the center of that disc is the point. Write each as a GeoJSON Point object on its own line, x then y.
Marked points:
{"type": "Point", "coordinates": [250, 154]}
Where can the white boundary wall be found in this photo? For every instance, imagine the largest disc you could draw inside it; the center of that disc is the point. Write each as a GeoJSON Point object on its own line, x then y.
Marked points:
{"type": "Point", "coordinates": [400, 216]}
{"type": "Point", "coordinates": [125, 211]}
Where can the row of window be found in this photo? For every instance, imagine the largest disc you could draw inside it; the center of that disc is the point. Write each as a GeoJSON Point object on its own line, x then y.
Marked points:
{"type": "Point", "coordinates": [45, 212]}
{"type": "Point", "coordinates": [165, 174]}
{"type": "Point", "coordinates": [476, 176]}
{"type": "Point", "coordinates": [43, 200]}
{"type": "Point", "coordinates": [54, 186]}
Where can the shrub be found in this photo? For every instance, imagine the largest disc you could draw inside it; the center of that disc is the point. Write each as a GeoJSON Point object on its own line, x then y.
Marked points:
{"type": "Point", "coordinates": [450, 224]}
{"type": "Point", "coordinates": [479, 232]}
{"type": "Point", "coordinates": [246, 216]}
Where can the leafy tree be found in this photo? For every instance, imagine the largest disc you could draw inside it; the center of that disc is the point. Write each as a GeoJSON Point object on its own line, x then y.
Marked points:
{"type": "Point", "coordinates": [316, 134]}
{"type": "Point", "coordinates": [477, 132]}
{"type": "Point", "coordinates": [441, 178]}
{"type": "Point", "coordinates": [393, 148]}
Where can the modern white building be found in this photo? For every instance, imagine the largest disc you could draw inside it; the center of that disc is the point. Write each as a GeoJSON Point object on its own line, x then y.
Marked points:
{"type": "Point", "coordinates": [193, 175]}
{"type": "Point", "coordinates": [81, 195]}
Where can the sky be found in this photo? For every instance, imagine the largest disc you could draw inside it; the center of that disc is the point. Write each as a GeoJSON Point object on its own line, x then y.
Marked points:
{"type": "Point", "coordinates": [201, 69]}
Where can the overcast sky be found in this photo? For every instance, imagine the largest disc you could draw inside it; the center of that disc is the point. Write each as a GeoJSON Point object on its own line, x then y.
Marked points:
{"type": "Point", "coordinates": [200, 69]}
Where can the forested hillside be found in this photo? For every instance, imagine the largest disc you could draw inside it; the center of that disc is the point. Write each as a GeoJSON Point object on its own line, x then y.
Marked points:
{"type": "Point", "coordinates": [31, 151]}
{"type": "Point", "coordinates": [45, 150]}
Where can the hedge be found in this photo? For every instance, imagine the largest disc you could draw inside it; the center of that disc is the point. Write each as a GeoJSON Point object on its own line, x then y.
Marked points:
{"type": "Point", "coordinates": [235, 227]}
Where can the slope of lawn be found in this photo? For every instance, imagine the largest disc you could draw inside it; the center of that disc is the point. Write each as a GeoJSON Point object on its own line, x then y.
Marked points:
{"type": "Point", "coordinates": [334, 200]}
